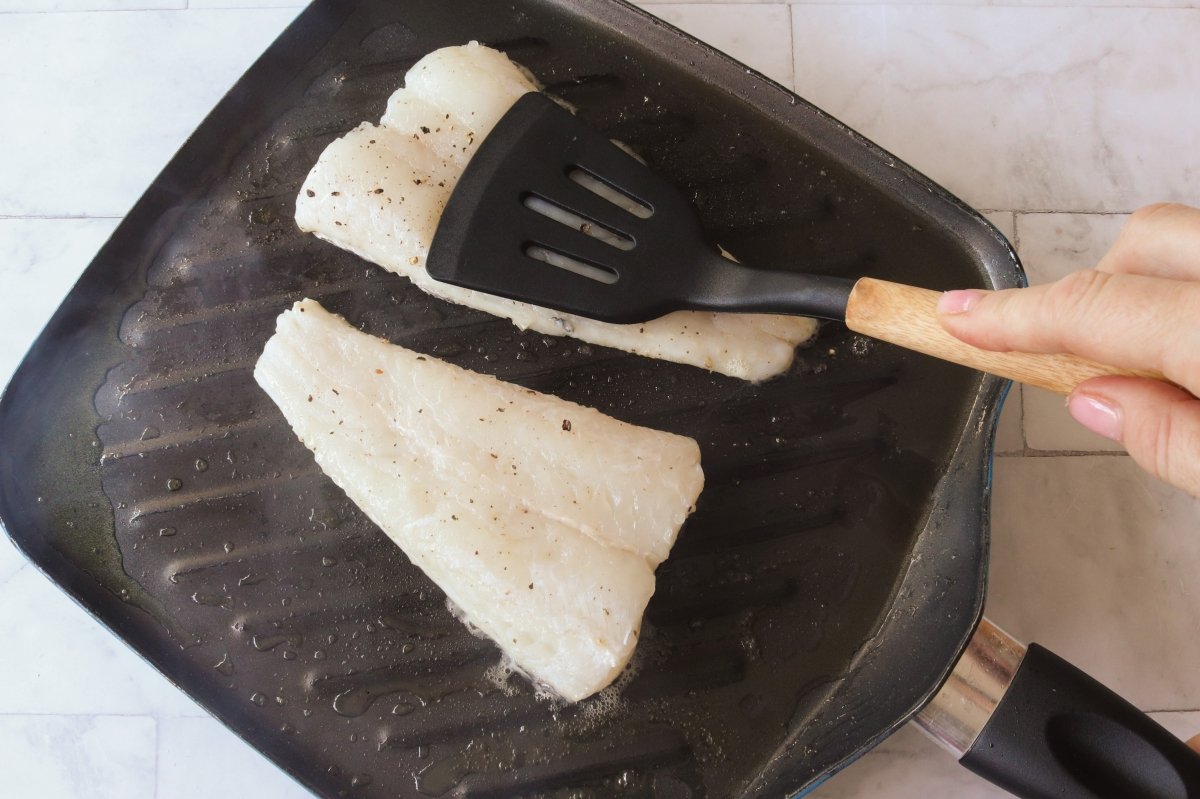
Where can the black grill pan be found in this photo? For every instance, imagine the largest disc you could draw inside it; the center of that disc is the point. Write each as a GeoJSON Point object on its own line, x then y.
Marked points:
{"type": "Point", "coordinates": [833, 571]}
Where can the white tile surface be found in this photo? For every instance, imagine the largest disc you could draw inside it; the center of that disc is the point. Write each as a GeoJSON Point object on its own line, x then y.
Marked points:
{"type": "Point", "coordinates": [1063, 109]}
{"type": "Point", "coordinates": [200, 759]}
{"type": "Point", "coordinates": [46, 6]}
{"type": "Point", "coordinates": [759, 35]}
{"type": "Point", "coordinates": [70, 664]}
{"type": "Point", "coordinates": [1098, 562]}
{"type": "Point", "coordinates": [247, 3]}
{"type": "Point", "coordinates": [1016, 108]}
{"type": "Point", "coordinates": [1052, 246]}
{"type": "Point", "coordinates": [72, 757]}
{"type": "Point", "coordinates": [96, 127]}
{"type": "Point", "coordinates": [40, 259]}
{"type": "Point", "coordinates": [1183, 724]}
{"type": "Point", "coordinates": [11, 561]}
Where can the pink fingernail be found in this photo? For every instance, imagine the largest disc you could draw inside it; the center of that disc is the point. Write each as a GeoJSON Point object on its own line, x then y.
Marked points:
{"type": "Point", "coordinates": [1098, 415]}
{"type": "Point", "coordinates": [955, 302]}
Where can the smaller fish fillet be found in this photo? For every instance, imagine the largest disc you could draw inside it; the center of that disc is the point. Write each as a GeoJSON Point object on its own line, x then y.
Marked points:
{"type": "Point", "coordinates": [542, 520]}
{"type": "Point", "coordinates": [379, 192]}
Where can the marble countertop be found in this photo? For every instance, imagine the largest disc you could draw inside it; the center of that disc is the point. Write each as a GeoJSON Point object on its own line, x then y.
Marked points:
{"type": "Point", "coordinates": [1056, 118]}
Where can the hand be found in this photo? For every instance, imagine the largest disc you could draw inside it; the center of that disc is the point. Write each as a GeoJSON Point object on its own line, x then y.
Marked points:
{"type": "Point", "coordinates": [1138, 309]}
{"type": "Point", "coordinates": [1195, 743]}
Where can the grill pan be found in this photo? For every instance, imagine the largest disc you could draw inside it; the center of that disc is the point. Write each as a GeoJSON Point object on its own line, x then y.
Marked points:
{"type": "Point", "coordinates": [833, 572]}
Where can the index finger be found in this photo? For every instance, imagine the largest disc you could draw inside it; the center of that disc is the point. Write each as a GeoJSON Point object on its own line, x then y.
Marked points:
{"type": "Point", "coordinates": [1128, 321]}
{"type": "Point", "coordinates": [1158, 241]}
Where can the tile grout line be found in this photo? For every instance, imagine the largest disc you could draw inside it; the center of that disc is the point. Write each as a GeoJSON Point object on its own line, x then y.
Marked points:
{"type": "Point", "coordinates": [31, 12]}
{"type": "Point", "coordinates": [791, 23]}
{"type": "Point", "coordinates": [157, 748]}
{"type": "Point", "coordinates": [5, 714]}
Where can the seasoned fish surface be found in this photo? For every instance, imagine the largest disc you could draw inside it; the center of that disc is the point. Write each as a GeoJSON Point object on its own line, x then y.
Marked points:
{"type": "Point", "coordinates": [542, 520]}
{"type": "Point", "coordinates": [379, 192]}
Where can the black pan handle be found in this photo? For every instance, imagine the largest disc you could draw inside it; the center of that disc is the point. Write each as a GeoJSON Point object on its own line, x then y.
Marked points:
{"type": "Point", "coordinates": [1056, 733]}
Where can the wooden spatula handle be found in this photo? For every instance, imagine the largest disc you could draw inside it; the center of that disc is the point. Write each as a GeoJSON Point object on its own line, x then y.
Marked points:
{"type": "Point", "coordinates": [907, 316]}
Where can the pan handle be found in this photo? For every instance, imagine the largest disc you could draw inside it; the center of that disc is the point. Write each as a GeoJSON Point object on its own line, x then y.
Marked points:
{"type": "Point", "coordinates": [1033, 724]}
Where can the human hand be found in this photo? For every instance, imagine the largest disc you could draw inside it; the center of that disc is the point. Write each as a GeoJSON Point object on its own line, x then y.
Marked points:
{"type": "Point", "coordinates": [1138, 309]}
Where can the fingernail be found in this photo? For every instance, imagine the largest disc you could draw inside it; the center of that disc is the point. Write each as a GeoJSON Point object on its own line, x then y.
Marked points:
{"type": "Point", "coordinates": [955, 302]}
{"type": "Point", "coordinates": [1098, 415]}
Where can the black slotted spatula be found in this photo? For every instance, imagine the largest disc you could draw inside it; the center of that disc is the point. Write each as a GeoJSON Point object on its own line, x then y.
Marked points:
{"type": "Point", "coordinates": [550, 212]}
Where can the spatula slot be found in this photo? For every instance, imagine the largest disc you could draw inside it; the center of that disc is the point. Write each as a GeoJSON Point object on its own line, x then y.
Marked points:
{"type": "Point", "coordinates": [615, 195]}
{"type": "Point", "coordinates": [588, 227]}
{"type": "Point", "coordinates": [601, 274]}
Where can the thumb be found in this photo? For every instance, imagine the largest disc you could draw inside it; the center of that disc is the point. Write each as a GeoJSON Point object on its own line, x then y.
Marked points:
{"type": "Point", "coordinates": [1159, 424]}
{"type": "Point", "coordinates": [1195, 743]}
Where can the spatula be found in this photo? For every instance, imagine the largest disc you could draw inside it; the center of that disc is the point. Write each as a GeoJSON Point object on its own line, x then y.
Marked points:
{"type": "Point", "coordinates": [550, 212]}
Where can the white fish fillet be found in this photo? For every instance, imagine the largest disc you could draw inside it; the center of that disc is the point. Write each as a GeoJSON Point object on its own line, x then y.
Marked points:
{"type": "Point", "coordinates": [379, 192]}
{"type": "Point", "coordinates": [541, 519]}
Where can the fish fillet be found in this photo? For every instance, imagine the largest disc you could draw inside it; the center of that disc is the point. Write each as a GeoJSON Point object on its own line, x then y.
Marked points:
{"type": "Point", "coordinates": [541, 519]}
{"type": "Point", "coordinates": [379, 192]}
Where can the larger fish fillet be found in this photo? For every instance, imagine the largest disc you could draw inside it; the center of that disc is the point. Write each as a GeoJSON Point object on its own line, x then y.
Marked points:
{"type": "Point", "coordinates": [379, 192]}
{"type": "Point", "coordinates": [541, 519]}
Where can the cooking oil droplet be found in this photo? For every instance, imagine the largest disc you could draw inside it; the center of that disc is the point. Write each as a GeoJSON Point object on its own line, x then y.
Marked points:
{"type": "Point", "coordinates": [258, 699]}
{"type": "Point", "coordinates": [406, 648]}
{"type": "Point", "coordinates": [265, 643]}
{"type": "Point", "coordinates": [360, 780]}
{"type": "Point", "coordinates": [402, 709]}
{"type": "Point", "coordinates": [151, 433]}
{"type": "Point", "coordinates": [328, 561]}
{"type": "Point", "coordinates": [289, 654]}
{"type": "Point", "coordinates": [174, 484]}
{"type": "Point", "coordinates": [201, 465]}
{"type": "Point", "coordinates": [167, 532]}
{"type": "Point", "coordinates": [287, 728]}
{"type": "Point", "coordinates": [319, 654]}
{"type": "Point", "coordinates": [228, 546]}
{"type": "Point", "coordinates": [225, 666]}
